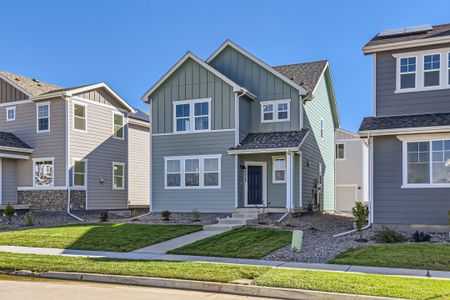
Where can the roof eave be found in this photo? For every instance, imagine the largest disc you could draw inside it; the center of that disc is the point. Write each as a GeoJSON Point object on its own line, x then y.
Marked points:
{"type": "Point", "coordinates": [264, 150]}
{"type": "Point", "coordinates": [406, 44]}
{"type": "Point", "coordinates": [16, 149]}
{"type": "Point", "coordinates": [410, 130]}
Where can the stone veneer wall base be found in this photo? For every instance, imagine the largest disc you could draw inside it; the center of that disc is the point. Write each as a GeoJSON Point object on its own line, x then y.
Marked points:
{"type": "Point", "coordinates": [52, 200]}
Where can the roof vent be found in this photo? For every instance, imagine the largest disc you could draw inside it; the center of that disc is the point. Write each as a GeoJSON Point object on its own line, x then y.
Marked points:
{"type": "Point", "coordinates": [35, 80]}
{"type": "Point", "coordinates": [17, 79]}
{"type": "Point", "coordinates": [292, 78]}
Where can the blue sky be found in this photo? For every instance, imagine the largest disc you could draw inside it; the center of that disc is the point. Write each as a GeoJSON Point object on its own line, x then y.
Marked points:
{"type": "Point", "coordinates": [131, 44]}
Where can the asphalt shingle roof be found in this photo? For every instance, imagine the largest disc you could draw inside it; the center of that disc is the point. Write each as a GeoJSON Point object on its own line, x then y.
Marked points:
{"type": "Point", "coordinates": [32, 86]}
{"type": "Point", "coordinates": [272, 140]}
{"type": "Point", "coordinates": [140, 115]}
{"type": "Point", "coordinates": [305, 74]}
{"type": "Point", "coordinates": [438, 31]}
{"type": "Point", "coordinates": [7, 139]}
{"type": "Point", "coordinates": [407, 121]}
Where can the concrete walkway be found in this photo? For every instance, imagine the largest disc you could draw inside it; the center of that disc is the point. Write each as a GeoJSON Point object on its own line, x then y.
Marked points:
{"type": "Point", "coordinates": [253, 262]}
{"type": "Point", "coordinates": [178, 242]}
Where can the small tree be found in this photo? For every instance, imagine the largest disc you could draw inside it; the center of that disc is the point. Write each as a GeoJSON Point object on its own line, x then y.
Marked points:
{"type": "Point", "coordinates": [360, 212]}
{"type": "Point", "coordinates": [9, 212]}
{"type": "Point", "coordinates": [195, 215]}
{"type": "Point", "coordinates": [165, 214]}
{"type": "Point", "coordinates": [30, 219]}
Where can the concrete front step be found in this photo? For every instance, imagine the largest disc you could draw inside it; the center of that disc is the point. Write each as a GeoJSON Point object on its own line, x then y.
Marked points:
{"type": "Point", "coordinates": [238, 221]}
{"type": "Point", "coordinates": [245, 215]}
{"type": "Point", "coordinates": [223, 227]}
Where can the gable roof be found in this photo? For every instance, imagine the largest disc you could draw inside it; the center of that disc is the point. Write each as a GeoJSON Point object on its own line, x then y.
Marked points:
{"type": "Point", "coordinates": [306, 74]}
{"type": "Point", "coordinates": [438, 34]}
{"type": "Point", "coordinates": [9, 141]}
{"type": "Point", "coordinates": [140, 115]}
{"type": "Point", "coordinates": [36, 89]}
{"type": "Point", "coordinates": [190, 55]}
{"type": "Point", "coordinates": [229, 43]}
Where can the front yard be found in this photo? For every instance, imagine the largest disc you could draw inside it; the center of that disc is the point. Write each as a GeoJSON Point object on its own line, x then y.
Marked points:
{"type": "Point", "coordinates": [119, 237]}
{"type": "Point", "coordinates": [413, 256]}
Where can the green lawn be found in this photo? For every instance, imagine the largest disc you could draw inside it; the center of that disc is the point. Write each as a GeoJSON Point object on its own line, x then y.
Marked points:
{"type": "Point", "coordinates": [243, 242]}
{"type": "Point", "coordinates": [101, 237]}
{"type": "Point", "coordinates": [414, 256]}
{"type": "Point", "coordinates": [374, 285]}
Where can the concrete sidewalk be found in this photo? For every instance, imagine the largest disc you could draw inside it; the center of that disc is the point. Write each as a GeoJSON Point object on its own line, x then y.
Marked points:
{"type": "Point", "coordinates": [239, 261]}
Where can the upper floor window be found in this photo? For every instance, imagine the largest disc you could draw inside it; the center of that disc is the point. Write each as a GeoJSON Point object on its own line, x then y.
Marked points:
{"type": "Point", "coordinates": [10, 113]}
{"type": "Point", "coordinates": [43, 117]}
{"type": "Point", "coordinates": [340, 151]}
{"type": "Point", "coordinates": [275, 111]}
{"type": "Point", "coordinates": [79, 116]}
{"type": "Point", "coordinates": [431, 70]}
{"type": "Point", "coordinates": [43, 172]}
{"type": "Point", "coordinates": [192, 115]}
{"type": "Point", "coordinates": [118, 128]}
{"type": "Point", "coordinates": [408, 73]}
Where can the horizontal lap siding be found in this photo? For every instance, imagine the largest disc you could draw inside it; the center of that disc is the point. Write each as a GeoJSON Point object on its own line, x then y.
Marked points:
{"type": "Point", "coordinates": [394, 205]}
{"type": "Point", "coordinates": [100, 149]}
{"type": "Point", "coordinates": [47, 144]}
{"type": "Point", "coordinates": [8, 93]}
{"type": "Point", "coordinates": [139, 165]}
{"type": "Point", "coordinates": [390, 103]}
{"type": "Point", "coordinates": [185, 200]}
{"type": "Point", "coordinates": [9, 184]}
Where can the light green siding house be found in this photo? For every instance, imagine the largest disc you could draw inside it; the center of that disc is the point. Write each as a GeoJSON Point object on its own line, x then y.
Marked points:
{"type": "Point", "coordinates": [233, 133]}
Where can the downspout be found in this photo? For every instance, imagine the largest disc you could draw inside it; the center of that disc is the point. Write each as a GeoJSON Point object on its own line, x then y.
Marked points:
{"type": "Point", "coordinates": [67, 160]}
{"type": "Point", "coordinates": [291, 174]}
{"type": "Point", "coordinates": [370, 221]}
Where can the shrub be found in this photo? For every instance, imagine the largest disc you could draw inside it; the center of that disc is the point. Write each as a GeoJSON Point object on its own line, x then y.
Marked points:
{"type": "Point", "coordinates": [195, 215]}
{"type": "Point", "coordinates": [104, 217]}
{"type": "Point", "coordinates": [165, 214]}
{"type": "Point", "coordinates": [29, 218]}
{"type": "Point", "coordinates": [388, 235]}
{"type": "Point", "coordinates": [9, 212]}
{"type": "Point", "coordinates": [420, 237]}
{"type": "Point", "coordinates": [360, 212]}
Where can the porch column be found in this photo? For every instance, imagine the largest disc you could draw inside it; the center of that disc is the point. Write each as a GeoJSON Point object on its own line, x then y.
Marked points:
{"type": "Point", "coordinates": [289, 179]}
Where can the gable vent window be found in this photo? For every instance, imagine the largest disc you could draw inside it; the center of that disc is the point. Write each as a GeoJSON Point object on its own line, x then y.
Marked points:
{"type": "Point", "coordinates": [431, 69]}
{"type": "Point", "coordinates": [408, 73]}
{"type": "Point", "coordinates": [321, 128]}
{"type": "Point", "coordinates": [275, 111]}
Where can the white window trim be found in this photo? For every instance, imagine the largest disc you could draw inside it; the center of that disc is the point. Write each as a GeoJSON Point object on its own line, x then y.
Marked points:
{"type": "Point", "coordinates": [432, 70]}
{"type": "Point", "coordinates": [430, 184]}
{"type": "Point", "coordinates": [337, 144]}
{"type": "Point", "coordinates": [123, 125]}
{"type": "Point", "coordinates": [40, 159]}
{"type": "Point", "coordinates": [114, 163]}
{"type": "Point", "coordinates": [443, 71]}
{"type": "Point", "coordinates": [85, 160]}
{"type": "Point", "coordinates": [399, 74]}
{"type": "Point", "coordinates": [37, 116]}
{"type": "Point", "coordinates": [274, 158]}
{"type": "Point", "coordinates": [85, 116]}
{"type": "Point", "coordinates": [275, 110]}
{"type": "Point", "coordinates": [182, 173]}
{"type": "Point", "coordinates": [191, 115]}
{"type": "Point", "coordinates": [13, 108]}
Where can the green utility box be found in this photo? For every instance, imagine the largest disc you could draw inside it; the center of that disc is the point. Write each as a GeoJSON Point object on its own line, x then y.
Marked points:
{"type": "Point", "coordinates": [297, 240]}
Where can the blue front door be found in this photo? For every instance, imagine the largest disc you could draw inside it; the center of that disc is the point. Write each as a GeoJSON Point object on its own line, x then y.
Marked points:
{"type": "Point", "coordinates": [254, 185]}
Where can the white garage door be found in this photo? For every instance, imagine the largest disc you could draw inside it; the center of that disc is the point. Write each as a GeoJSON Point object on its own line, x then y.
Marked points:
{"type": "Point", "coordinates": [345, 198]}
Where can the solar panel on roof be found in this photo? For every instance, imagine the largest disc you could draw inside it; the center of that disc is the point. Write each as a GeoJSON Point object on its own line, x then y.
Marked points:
{"type": "Point", "coordinates": [406, 30]}
{"type": "Point", "coordinates": [418, 28]}
{"type": "Point", "coordinates": [394, 31]}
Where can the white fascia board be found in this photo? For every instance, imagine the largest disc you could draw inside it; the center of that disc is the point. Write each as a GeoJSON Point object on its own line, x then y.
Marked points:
{"type": "Point", "coordinates": [406, 44]}
{"type": "Point", "coordinates": [11, 82]}
{"type": "Point", "coordinates": [189, 54]}
{"type": "Point", "coordinates": [258, 61]}
{"type": "Point", "coordinates": [15, 149]}
{"type": "Point", "coordinates": [269, 150]}
{"type": "Point", "coordinates": [414, 130]}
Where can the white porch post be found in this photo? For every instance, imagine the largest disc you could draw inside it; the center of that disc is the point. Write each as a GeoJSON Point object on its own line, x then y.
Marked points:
{"type": "Point", "coordinates": [289, 179]}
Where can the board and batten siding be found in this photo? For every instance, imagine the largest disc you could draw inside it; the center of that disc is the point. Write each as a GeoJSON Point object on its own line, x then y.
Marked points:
{"type": "Point", "coordinates": [139, 165]}
{"type": "Point", "coordinates": [318, 150]}
{"type": "Point", "coordinates": [192, 81]}
{"type": "Point", "coordinates": [396, 206]}
{"type": "Point", "coordinates": [219, 200]}
{"type": "Point", "coordinates": [9, 93]}
{"type": "Point", "coordinates": [263, 84]}
{"type": "Point", "coordinates": [45, 144]}
{"type": "Point", "coordinates": [101, 96]}
{"type": "Point", "coordinates": [389, 103]}
{"type": "Point", "coordinates": [9, 181]}
{"type": "Point", "coordinates": [98, 146]}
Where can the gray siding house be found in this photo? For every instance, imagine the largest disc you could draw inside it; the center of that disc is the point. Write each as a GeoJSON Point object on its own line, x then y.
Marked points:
{"type": "Point", "coordinates": [409, 134]}
{"type": "Point", "coordinates": [65, 147]}
{"type": "Point", "coordinates": [234, 133]}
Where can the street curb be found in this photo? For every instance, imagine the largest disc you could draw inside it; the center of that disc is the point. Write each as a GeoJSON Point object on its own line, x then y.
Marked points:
{"type": "Point", "coordinates": [204, 286]}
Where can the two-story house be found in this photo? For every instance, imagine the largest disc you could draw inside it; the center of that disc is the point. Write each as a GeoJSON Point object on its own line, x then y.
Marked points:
{"type": "Point", "coordinates": [233, 133]}
{"type": "Point", "coordinates": [409, 134]}
{"type": "Point", "coordinates": [66, 148]}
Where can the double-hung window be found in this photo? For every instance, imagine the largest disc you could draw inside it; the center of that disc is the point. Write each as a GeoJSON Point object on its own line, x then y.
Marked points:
{"type": "Point", "coordinates": [79, 173]}
{"type": "Point", "coordinates": [426, 163]}
{"type": "Point", "coordinates": [80, 117]}
{"type": "Point", "coordinates": [43, 172]}
{"type": "Point", "coordinates": [118, 176]}
{"type": "Point", "coordinates": [408, 72]}
{"type": "Point", "coordinates": [43, 117]}
{"type": "Point", "coordinates": [275, 111]}
{"type": "Point", "coordinates": [187, 172]}
{"type": "Point", "coordinates": [431, 70]}
{"type": "Point", "coordinates": [192, 115]}
{"type": "Point", "coordinates": [279, 169]}
{"type": "Point", "coordinates": [340, 151]}
{"type": "Point", "coordinates": [118, 126]}
{"type": "Point", "coordinates": [10, 113]}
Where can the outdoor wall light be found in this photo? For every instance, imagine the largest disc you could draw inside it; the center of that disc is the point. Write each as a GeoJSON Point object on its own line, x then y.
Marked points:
{"type": "Point", "coordinates": [101, 180]}
{"type": "Point", "coordinates": [242, 167]}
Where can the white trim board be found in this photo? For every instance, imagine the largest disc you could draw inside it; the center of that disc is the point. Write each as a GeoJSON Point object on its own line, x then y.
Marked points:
{"type": "Point", "coordinates": [406, 44]}
{"type": "Point", "coordinates": [193, 132]}
{"type": "Point", "coordinates": [15, 149]}
{"type": "Point", "coordinates": [269, 150]}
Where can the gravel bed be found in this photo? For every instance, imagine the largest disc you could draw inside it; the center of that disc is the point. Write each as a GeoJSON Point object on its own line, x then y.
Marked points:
{"type": "Point", "coordinates": [179, 218]}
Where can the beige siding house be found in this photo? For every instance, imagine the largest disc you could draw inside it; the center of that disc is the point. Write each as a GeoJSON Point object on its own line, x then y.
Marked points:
{"type": "Point", "coordinates": [64, 147]}
{"type": "Point", "coordinates": [352, 161]}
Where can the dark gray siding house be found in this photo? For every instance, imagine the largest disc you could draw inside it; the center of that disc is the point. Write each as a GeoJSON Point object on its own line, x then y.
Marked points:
{"type": "Point", "coordinates": [233, 133]}
{"type": "Point", "coordinates": [409, 134]}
